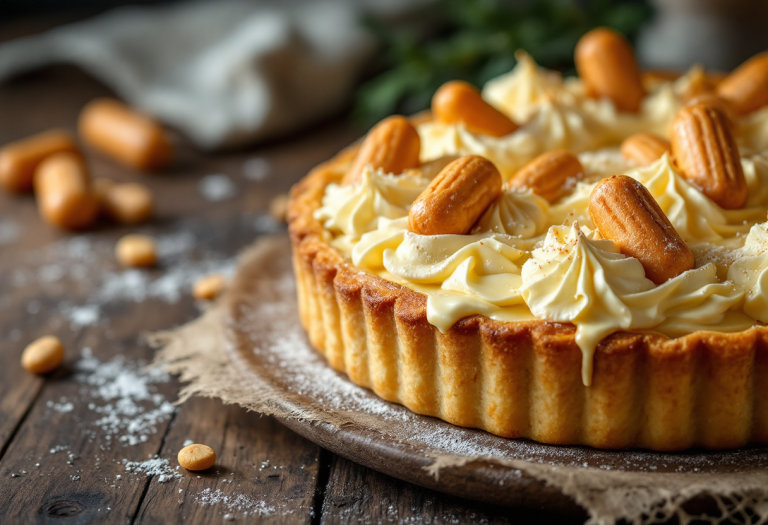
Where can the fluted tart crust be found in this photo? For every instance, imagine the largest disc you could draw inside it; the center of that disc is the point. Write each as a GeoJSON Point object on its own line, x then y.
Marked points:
{"type": "Point", "coordinates": [523, 379]}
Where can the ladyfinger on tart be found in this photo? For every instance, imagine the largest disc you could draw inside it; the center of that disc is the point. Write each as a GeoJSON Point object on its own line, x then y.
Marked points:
{"type": "Point", "coordinates": [607, 66]}
{"type": "Point", "coordinates": [567, 278]}
{"type": "Point", "coordinates": [456, 197]}
{"type": "Point", "coordinates": [393, 145]}
{"type": "Point", "coordinates": [551, 175]}
{"type": "Point", "coordinates": [716, 101]}
{"type": "Point", "coordinates": [644, 148]}
{"type": "Point", "coordinates": [625, 212]}
{"type": "Point", "coordinates": [699, 83]}
{"type": "Point", "coordinates": [707, 155]}
{"type": "Point", "coordinates": [460, 102]}
{"type": "Point", "coordinates": [747, 87]}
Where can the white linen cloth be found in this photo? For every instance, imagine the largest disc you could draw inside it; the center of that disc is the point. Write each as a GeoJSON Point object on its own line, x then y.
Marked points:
{"type": "Point", "coordinates": [225, 73]}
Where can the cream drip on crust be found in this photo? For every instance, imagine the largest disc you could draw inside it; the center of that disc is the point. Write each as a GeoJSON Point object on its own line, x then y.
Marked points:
{"type": "Point", "coordinates": [527, 258]}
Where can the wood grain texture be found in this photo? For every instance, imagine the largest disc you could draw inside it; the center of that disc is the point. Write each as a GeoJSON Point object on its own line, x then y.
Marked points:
{"type": "Point", "coordinates": [267, 472]}
{"type": "Point", "coordinates": [84, 487]}
{"type": "Point", "coordinates": [356, 494]}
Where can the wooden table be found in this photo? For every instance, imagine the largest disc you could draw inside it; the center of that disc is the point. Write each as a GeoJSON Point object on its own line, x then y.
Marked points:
{"type": "Point", "coordinates": [87, 482]}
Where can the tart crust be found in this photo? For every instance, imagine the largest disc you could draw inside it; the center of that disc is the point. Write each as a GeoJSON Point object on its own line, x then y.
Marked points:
{"type": "Point", "coordinates": [706, 389]}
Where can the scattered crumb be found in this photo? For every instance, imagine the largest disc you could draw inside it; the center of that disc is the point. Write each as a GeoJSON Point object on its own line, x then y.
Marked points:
{"type": "Point", "coordinates": [257, 169]}
{"type": "Point", "coordinates": [265, 223]}
{"type": "Point", "coordinates": [87, 315]}
{"type": "Point", "coordinates": [240, 503]}
{"type": "Point", "coordinates": [77, 264]}
{"type": "Point", "coordinates": [158, 467]}
{"type": "Point", "coordinates": [63, 407]}
{"type": "Point", "coordinates": [9, 232]}
{"type": "Point", "coordinates": [217, 187]}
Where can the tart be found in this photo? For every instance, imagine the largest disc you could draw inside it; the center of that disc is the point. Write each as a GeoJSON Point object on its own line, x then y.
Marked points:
{"type": "Point", "coordinates": [578, 262]}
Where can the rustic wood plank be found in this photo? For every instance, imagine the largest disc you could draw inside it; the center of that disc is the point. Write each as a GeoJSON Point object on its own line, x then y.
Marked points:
{"type": "Point", "coordinates": [62, 462]}
{"type": "Point", "coordinates": [264, 472]}
{"type": "Point", "coordinates": [89, 488]}
{"type": "Point", "coordinates": [28, 105]}
{"type": "Point", "coordinates": [357, 494]}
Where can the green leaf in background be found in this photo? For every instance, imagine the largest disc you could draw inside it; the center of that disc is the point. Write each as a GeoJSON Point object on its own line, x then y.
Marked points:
{"type": "Point", "coordinates": [476, 40]}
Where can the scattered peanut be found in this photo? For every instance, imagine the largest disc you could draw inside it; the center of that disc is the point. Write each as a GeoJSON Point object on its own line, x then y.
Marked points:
{"type": "Point", "coordinates": [461, 102]}
{"type": "Point", "coordinates": [644, 148]}
{"type": "Point", "coordinates": [136, 251]}
{"type": "Point", "coordinates": [746, 88]}
{"type": "Point", "coordinates": [625, 212]}
{"type": "Point", "coordinates": [393, 145]}
{"type": "Point", "coordinates": [20, 159]}
{"type": "Point", "coordinates": [456, 198]}
{"type": "Point", "coordinates": [65, 197]}
{"type": "Point", "coordinates": [278, 207]}
{"type": "Point", "coordinates": [43, 355]}
{"type": "Point", "coordinates": [551, 175]}
{"type": "Point", "coordinates": [197, 457]}
{"type": "Point", "coordinates": [607, 66]}
{"type": "Point", "coordinates": [209, 287]}
{"type": "Point", "coordinates": [129, 137]}
{"type": "Point", "coordinates": [127, 203]}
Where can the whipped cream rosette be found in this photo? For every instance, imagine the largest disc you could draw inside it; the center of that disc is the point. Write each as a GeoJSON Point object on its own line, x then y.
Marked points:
{"type": "Point", "coordinates": [578, 278]}
{"type": "Point", "coordinates": [599, 277]}
{"type": "Point", "coordinates": [352, 210]}
{"type": "Point", "coordinates": [750, 272]}
{"type": "Point", "coordinates": [520, 214]}
{"type": "Point", "coordinates": [461, 274]}
{"type": "Point", "coordinates": [752, 135]}
{"type": "Point", "coordinates": [527, 258]}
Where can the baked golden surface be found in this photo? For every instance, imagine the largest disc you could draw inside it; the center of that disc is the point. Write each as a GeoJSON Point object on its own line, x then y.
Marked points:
{"type": "Point", "coordinates": [523, 379]}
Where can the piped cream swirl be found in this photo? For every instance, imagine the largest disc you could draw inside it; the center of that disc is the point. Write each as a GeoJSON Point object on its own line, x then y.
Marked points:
{"type": "Point", "coordinates": [518, 213]}
{"type": "Point", "coordinates": [352, 210]}
{"type": "Point", "coordinates": [588, 282]}
{"type": "Point", "coordinates": [461, 274]}
{"type": "Point", "coordinates": [506, 269]}
{"type": "Point", "coordinates": [750, 272]}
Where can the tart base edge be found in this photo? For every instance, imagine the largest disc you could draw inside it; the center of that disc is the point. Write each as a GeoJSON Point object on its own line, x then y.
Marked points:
{"type": "Point", "coordinates": [706, 389]}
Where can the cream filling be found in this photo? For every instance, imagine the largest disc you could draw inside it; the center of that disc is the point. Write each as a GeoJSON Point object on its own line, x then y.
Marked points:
{"type": "Point", "coordinates": [752, 133]}
{"type": "Point", "coordinates": [350, 211]}
{"type": "Point", "coordinates": [528, 259]}
{"type": "Point", "coordinates": [520, 214]}
{"type": "Point", "coordinates": [554, 114]}
{"type": "Point", "coordinates": [695, 217]}
{"type": "Point", "coordinates": [588, 282]}
{"type": "Point", "coordinates": [750, 272]}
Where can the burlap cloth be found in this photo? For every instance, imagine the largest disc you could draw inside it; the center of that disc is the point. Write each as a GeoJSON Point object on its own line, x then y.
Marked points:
{"type": "Point", "coordinates": [249, 349]}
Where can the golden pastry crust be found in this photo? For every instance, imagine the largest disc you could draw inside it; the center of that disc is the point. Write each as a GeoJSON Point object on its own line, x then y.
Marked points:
{"type": "Point", "coordinates": [706, 389]}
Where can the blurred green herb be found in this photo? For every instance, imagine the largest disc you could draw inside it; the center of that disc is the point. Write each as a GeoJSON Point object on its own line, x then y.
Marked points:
{"type": "Point", "coordinates": [476, 40]}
